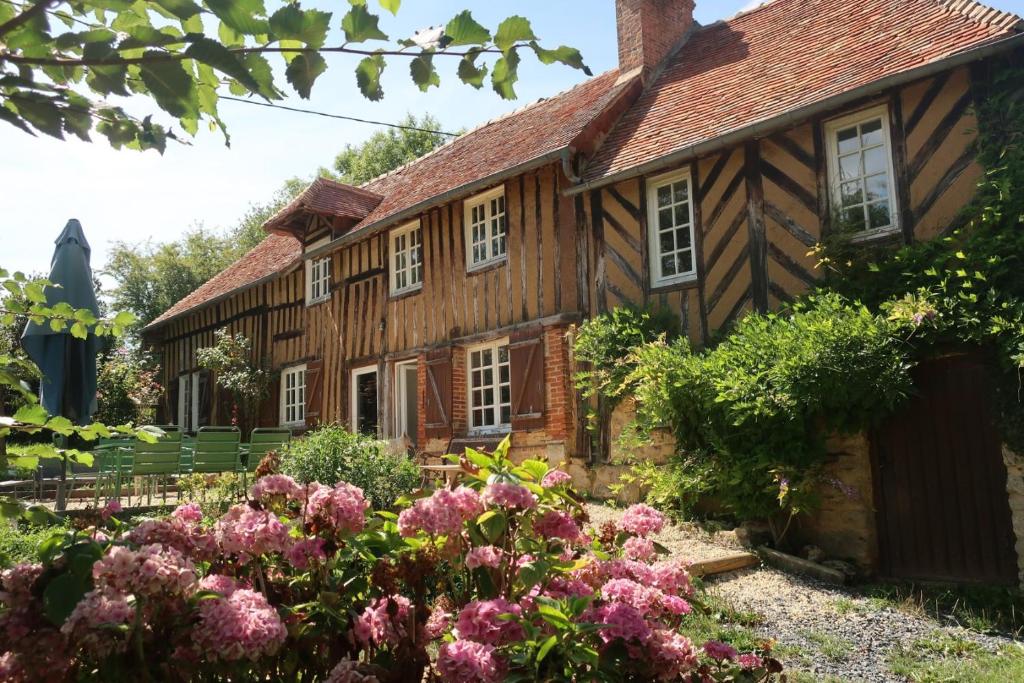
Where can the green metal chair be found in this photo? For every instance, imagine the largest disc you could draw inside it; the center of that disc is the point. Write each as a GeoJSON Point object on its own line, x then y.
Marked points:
{"type": "Point", "coordinates": [154, 461]}
{"type": "Point", "coordinates": [216, 450]}
{"type": "Point", "coordinates": [112, 464]}
{"type": "Point", "coordinates": [265, 440]}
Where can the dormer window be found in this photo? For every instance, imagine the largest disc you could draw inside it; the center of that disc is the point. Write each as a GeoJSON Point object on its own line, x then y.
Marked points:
{"type": "Point", "coordinates": [318, 280]}
{"type": "Point", "coordinates": [486, 232]}
{"type": "Point", "coordinates": [860, 166]}
{"type": "Point", "coordinates": [407, 259]}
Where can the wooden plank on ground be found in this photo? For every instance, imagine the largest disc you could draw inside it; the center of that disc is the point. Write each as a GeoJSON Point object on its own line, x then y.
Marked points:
{"type": "Point", "coordinates": [799, 565]}
{"type": "Point", "coordinates": [721, 565]}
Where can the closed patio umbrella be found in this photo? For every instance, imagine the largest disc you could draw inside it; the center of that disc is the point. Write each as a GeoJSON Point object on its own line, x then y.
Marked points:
{"type": "Point", "coordinates": [68, 364]}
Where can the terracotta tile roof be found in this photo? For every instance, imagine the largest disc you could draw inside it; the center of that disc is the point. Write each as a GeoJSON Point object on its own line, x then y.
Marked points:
{"type": "Point", "coordinates": [329, 198]}
{"type": "Point", "coordinates": [526, 135]}
{"type": "Point", "coordinates": [274, 254]}
{"type": "Point", "coordinates": [782, 56]}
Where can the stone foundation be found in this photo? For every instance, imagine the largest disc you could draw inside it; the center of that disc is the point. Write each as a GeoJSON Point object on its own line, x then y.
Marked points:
{"type": "Point", "coordinates": [1015, 491]}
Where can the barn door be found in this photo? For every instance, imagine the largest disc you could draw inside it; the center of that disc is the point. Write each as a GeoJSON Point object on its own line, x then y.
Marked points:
{"type": "Point", "coordinates": [438, 403]}
{"type": "Point", "coordinates": [526, 360]}
{"type": "Point", "coordinates": [943, 511]}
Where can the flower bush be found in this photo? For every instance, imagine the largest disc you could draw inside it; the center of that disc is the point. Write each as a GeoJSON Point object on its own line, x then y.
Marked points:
{"type": "Point", "coordinates": [497, 579]}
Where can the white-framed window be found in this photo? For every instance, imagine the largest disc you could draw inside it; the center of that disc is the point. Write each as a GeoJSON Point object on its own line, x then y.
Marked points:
{"type": "Point", "coordinates": [365, 399]}
{"type": "Point", "coordinates": [670, 229]}
{"type": "Point", "coordinates": [188, 402]}
{"type": "Point", "coordinates": [407, 258]}
{"type": "Point", "coordinates": [861, 172]}
{"type": "Point", "coordinates": [486, 229]}
{"type": "Point", "coordinates": [318, 280]}
{"type": "Point", "coordinates": [490, 390]}
{"type": "Point", "coordinates": [293, 396]}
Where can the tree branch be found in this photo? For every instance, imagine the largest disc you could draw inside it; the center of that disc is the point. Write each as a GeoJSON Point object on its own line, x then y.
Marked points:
{"type": "Point", "coordinates": [38, 8]}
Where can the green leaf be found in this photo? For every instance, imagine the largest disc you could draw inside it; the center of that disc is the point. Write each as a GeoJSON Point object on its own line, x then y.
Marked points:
{"type": "Point", "coordinates": [61, 425]}
{"type": "Point", "coordinates": [469, 73]}
{"type": "Point", "coordinates": [309, 26]}
{"type": "Point", "coordinates": [241, 15]}
{"type": "Point", "coordinates": [463, 29]}
{"type": "Point", "coordinates": [62, 595]}
{"type": "Point", "coordinates": [32, 415]}
{"type": "Point", "coordinates": [10, 509]}
{"type": "Point", "coordinates": [368, 74]}
{"type": "Point", "coordinates": [13, 119]}
{"type": "Point", "coordinates": [423, 72]}
{"type": "Point", "coordinates": [79, 331]}
{"type": "Point", "coordinates": [545, 648]}
{"type": "Point", "coordinates": [171, 86]}
{"type": "Point", "coordinates": [505, 75]}
{"type": "Point", "coordinates": [303, 71]}
{"type": "Point", "coordinates": [359, 26]}
{"type": "Point", "coordinates": [219, 57]}
{"type": "Point", "coordinates": [569, 56]}
{"type": "Point", "coordinates": [513, 30]}
{"type": "Point", "coordinates": [183, 9]}
{"type": "Point", "coordinates": [124, 319]}
{"type": "Point", "coordinates": [391, 5]}
{"type": "Point", "coordinates": [493, 527]}
{"type": "Point", "coordinates": [42, 113]}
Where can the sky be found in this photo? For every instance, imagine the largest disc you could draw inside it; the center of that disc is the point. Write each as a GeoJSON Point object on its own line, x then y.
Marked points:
{"type": "Point", "coordinates": [140, 196]}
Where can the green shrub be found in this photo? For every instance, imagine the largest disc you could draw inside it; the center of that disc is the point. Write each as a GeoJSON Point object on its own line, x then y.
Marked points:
{"type": "Point", "coordinates": [332, 454]}
{"type": "Point", "coordinates": [19, 541]}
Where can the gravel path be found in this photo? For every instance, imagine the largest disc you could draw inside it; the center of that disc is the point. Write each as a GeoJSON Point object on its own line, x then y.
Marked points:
{"type": "Point", "coordinates": [826, 631]}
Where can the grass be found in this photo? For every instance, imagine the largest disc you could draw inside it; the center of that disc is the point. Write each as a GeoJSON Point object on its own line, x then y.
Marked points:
{"type": "Point", "coordinates": [833, 648]}
{"type": "Point", "coordinates": [721, 620]}
{"type": "Point", "coordinates": [844, 606]}
{"type": "Point", "coordinates": [985, 609]}
{"type": "Point", "coordinates": [19, 542]}
{"type": "Point", "coordinates": [941, 657]}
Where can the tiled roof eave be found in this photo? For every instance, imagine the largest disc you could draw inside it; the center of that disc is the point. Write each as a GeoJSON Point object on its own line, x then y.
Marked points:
{"type": "Point", "coordinates": [795, 116]}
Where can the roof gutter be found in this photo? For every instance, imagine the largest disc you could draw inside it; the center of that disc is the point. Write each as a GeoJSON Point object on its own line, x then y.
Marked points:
{"type": "Point", "coordinates": [454, 193]}
{"type": "Point", "coordinates": [801, 114]}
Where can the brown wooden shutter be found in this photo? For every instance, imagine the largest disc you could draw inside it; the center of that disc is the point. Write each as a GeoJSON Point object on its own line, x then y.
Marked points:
{"type": "Point", "coordinates": [170, 415]}
{"type": "Point", "coordinates": [205, 389]}
{"type": "Point", "coordinates": [438, 409]}
{"type": "Point", "coordinates": [270, 408]}
{"type": "Point", "coordinates": [314, 392]}
{"type": "Point", "coordinates": [526, 363]}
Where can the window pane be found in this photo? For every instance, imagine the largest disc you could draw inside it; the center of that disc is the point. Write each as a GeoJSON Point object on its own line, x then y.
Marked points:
{"type": "Point", "coordinates": [879, 215]}
{"type": "Point", "coordinates": [874, 161]}
{"type": "Point", "coordinates": [854, 218]}
{"type": "Point", "coordinates": [878, 187]}
{"type": "Point", "coordinates": [664, 196]}
{"type": "Point", "coordinates": [685, 259]}
{"type": "Point", "coordinates": [665, 218]}
{"type": "Point", "coordinates": [682, 214]}
{"type": "Point", "coordinates": [871, 133]}
{"type": "Point", "coordinates": [680, 192]}
{"type": "Point", "coordinates": [668, 265]}
{"type": "Point", "coordinates": [849, 167]}
{"type": "Point", "coordinates": [848, 140]}
{"type": "Point", "coordinates": [666, 242]}
{"type": "Point", "coordinates": [682, 237]}
{"type": "Point", "coordinates": [852, 193]}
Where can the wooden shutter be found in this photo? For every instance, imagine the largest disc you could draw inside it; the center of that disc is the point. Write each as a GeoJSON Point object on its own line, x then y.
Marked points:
{"type": "Point", "coordinates": [205, 389]}
{"type": "Point", "coordinates": [170, 416]}
{"type": "Point", "coordinates": [526, 364]}
{"type": "Point", "coordinates": [314, 392]}
{"type": "Point", "coordinates": [270, 408]}
{"type": "Point", "coordinates": [438, 409]}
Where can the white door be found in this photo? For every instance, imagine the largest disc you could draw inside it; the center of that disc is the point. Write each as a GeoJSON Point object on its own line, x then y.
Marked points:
{"type": "Point", "coordinates": [406, 401]}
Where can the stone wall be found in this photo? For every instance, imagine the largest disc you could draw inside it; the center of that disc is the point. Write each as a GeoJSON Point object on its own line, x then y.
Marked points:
{"type": "Point", "coordinates": [1015, 491]}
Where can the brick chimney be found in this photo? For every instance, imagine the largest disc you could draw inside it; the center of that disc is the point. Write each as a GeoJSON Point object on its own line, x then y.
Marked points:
{"type": "Point", "coordinates": [649, 29]}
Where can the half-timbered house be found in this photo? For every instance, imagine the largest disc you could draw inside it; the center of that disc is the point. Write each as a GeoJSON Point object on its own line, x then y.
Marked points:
{"type": "Point", "coordinates": [433, 303]}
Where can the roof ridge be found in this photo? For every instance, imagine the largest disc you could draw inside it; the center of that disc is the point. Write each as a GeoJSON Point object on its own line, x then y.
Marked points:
{"type": "Point", "coordinates": [983, 14]}
{"type": "Point", "coordinates": [485, 124]}
{"type": "Point", "coordinates": [346, 186]}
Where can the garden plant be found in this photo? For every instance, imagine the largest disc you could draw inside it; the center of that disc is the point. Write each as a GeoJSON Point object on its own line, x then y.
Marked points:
{"type": "Point", "coordinates": [496, 579]}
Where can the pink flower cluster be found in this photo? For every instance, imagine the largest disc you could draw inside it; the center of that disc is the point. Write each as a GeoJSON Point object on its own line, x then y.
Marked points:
{"type": "Point", "coordinates": [112, 508]}
{"type": "Point", "coordinates": [479, 621]}
{"type": "Point", "coordinates": [310, 550]}
{"type": "Point", "coordinates": [383, 621]}
{"type": "Point", "coordinates": [93, 624]}
{"type": "Point", "coordinates": [248, 533]}
{"type": "Point", "coordinates": [556, 524]}
{"type": "Point", "coordinates": [218, 583]}
{"type": "Point", "coordinates": [276, 488]}
{"type": "Point", "coordinates": [442, 513]}
{"type": "Point", "coordinates": [188, 513]}
{"type": "Point", "coordinates": [438, 622]}
{"type": "Point", "coordinates": [506, 495]}
{"type": "Point", "coordinates": [484, 556]}
{"type": "Point", "coordinates": [465, 661]}
{"type": "Point", "coordinates": [17, 581]}
{"type": "Point", "coordinates": [556, 478]}
{"type": "Point", "coordinates": [241, 625]}
{"type": "Point", "coordinates": [720, 651]}
{"type": "Point", "coordinates": [347, 671]}
{"type": "Point", "coordinates": [152, 571]}
{"type": "Point", "coordinates": [642, 520]}
{"type": "Point", "coordinates": [340, 509]}
{"type": "Point", "coordinates": [638, 548]}
{"type": "Point", "coordinates": [180, 531]}
{"type": "Point", "coordinates": [671, 654]}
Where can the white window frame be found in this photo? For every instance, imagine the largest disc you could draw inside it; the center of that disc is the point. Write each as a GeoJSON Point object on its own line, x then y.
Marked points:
{"type": "Point", "coordinates": [654, 229]}
{"type": "Point", "coordinates": [832, 127]}
{"type": "Point", "coordinates": [318, 280]}
{"type": "Point", "coordinates": [498, 427]}
{"type": "Point", "coordinates": [410, 267]}
{"type": "Point", "coordinates": [299, 420]}
{"type": "Point", "coordinates": [484, 200]}
{"type": "Point", "coordinates": [401, 414]}
{"type": "Point", "coordinates": [188, 391]}
{"type": "Point", "coordinates": [354, 396]}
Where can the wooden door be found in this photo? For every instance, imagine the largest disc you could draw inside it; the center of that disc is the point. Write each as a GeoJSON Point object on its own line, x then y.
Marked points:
{"type": "Point", "coordinates": [944, 512]}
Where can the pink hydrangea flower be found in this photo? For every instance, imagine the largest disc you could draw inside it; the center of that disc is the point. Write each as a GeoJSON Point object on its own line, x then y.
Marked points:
{"type": "Point", "coordinates": [468, 502]}
{"type": "Point", "coordinates": [642, 520]}
{"type": "Point", "coordinates": [153, 571]}
{"type": "Point", "coordinates": [719, 651]}
{"type": "Point", "coordinates": [250, 533]}
{"type": "Point", "coordinates": [638, 548]}
{"type": "Point", "coordinates": [479, 621]}
{"type": "Point", "coordinates": [466, 661]}
{"type": "Point", "coordinates": [502, 494]}
{"type": "Point", "coordinates": [671, 654]}
{"type": "Point", "coordinates": [218, 583]}
{"type": "Point", "coordinates": [112, 508]}
{"type": "Point", "coordinates": [673, 604]}
{"type": "Point", "coordinates": [749, 661]}
{"type": "Point", "coordinates": [242, 625]}
{"type": "Point", "coordinates": [383, 621]}
{"type": "Point", "coordinates": [276, 487]}
{"type": "Point", "coordinates": [619, 620]}
{"type": "Point", "coordinates": [671, 576]}
{"type": "Point", "coordinates": [188, 513]}
{"type": "Point", "coordinates": [301, 554]}
{"type": "Point", "coordinates": [484, 556]}
{"type": "Point", "coordinates": [556, 478]}
{"type": "Point", "coordinates": [18, 580]}
{"type": "Point", "coordinates": [347, 671]}
{"type": "Point", "coordinates": [644, 598]}
{"type": "Point", "coordinates": [175, 532]}
{"type": "Point", "coordinates": [555, 524]}
{"type": "Point", "coordinates": [438, 622]}
{"type": "Point", "coordinates": [93, 624]}
{"type": "Point", "coordinates": [436, 515]}
{"type": "Point", "coordinates": [341, 509]}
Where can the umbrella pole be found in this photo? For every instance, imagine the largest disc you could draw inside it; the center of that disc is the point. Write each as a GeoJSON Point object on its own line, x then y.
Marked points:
{"type": "Point", "coordinates": [61, 503]}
